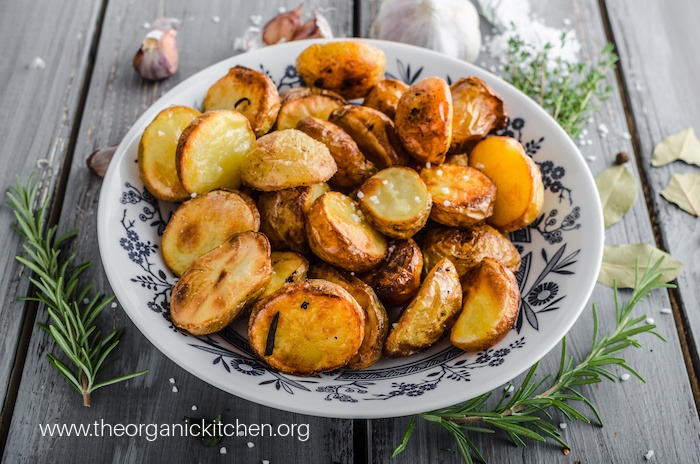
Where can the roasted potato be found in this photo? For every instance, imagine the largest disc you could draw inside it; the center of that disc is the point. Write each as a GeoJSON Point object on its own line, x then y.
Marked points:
{"type": "Point", "coordinates": [211, 150]}
{"type": "Point", "coordinates": [339, 234]}
{"type": "Point", "coordinates": [287, 267]}
{"type": "Point", "coordinates": [376, 319]}
{"type": "Point", "coordinates": [462, 196]}
{"type": "Point", "coordinates": [307, 327]}
{"type": "Point", "coordinates": [251, 93]}
{"type": "Point", "coordinates": [373, 132]}
{"type": "Point", "coordinates": [205, 222]}
{"type": "Point", "coordinates": [283, 215]}
{"type": "Point", "coordinates": [467, 247]}
{"type": "Point", "coordinates": [216, 288]}
{"type": "Point", "coordinates": [395, 201]}
{"type": "Point", "coordinates": [286, 159]}
{"type": "Point", "coordinates": [519, 188]}
{"type": "Point", "coordinates": [478, 110]}
{"type": "Point", "coordinates": [350, 68]}
{"type": "Point", "coordinates": [457, 158]}
{"type": "Point", "coordinates": [304, 102]}
{"type": "Point", "coordinates": [157, 153]}
{"type": "Point", "coordinates": [353, 168]}
{"type": "Point", "coordinates": [385, 96]}
{"type": "Point", "coordinates": [397, 279]}
{"type": "Point", "coordinates": [424, 120]}
{"type": "Point", "coordinates": [490, 307]}
{"type": "Point", "coordinates": [431, 312]}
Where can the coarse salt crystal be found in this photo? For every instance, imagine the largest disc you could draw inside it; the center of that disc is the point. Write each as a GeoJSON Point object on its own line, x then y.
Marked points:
{"type": "Point", "coordinates": [509, 389]}
{"type": "Point", "coordinates": [171, 380]}
{"type": "Point", "coordinates": [446, 203]}
{"type": "Point", "coordinates": [627, 136]}
{"type": "Point", "coordinates": [374, 199]}
{"type": "Point", "coordinates": [625, 377]}
{"type": "Point", "coordinates": [649, 320]}
{"type": "Point", "coordinates": [567, 22]}
{"type": "Point", "coordinates": [86, 300]}
{"type": "Point", "coordinates": [393, 326]}
{"type": "Point", "coordinates": [360, 195]}
{"type": "Point", "coordinates": [251, 444]}
{"type": "Point", "coordinates": [445, 190]}
{"type": "Point", "coordinates": [649, 454]}
{"type": "Point", "coordinates": [480, 166]}
{"type": "Point", "coordinates": [215, 19]}
{"type": "Point", "coordinates": [194, 408]}
{"type": "Point", "coordinates": [352, 273]}
{"type": "Point", "coordinates": [385, 182]}
{"type": "Point", "coordinates": [114, 305]}
{"type": "Point", "coordinates": [602, 128]}
{"type": "Point", "coordinates": [416, 199]}
{"type": "Point", "coordinates": [37, 63]}
{"type": "Point", "coordinates": [146, 25]}
{"type": "Point", "coordinates": [591, 158]}
{"type": "Point", "coordinates": [256, 20]}
{"type": "Point", "coordinates": [439, 172]}
{"type": "Point", "coordinates": [193, 194]}
{"type": "Point", "coordinates": [174, 389]}
{"type": "Point", "coordinates": [562, 425]}
{"type": "Point", "coordinates": [666, 311]}
{"type": "Point", "coordinates": [265, 461]}
{"type": "Point", "coordinates": [355, 218]}
{"type": "Point", "coordinates": [427, 165]}
{"type": "Point", "coordinates": [222, 450]}
{"type": "Point", "coordinates": [161, 133]}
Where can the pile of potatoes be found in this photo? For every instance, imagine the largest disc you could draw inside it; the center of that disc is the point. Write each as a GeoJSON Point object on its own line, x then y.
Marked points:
{"type": "Point", "coordinates": [310, 215]}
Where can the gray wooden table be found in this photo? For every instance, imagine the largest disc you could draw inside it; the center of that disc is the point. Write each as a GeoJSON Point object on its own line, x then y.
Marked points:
{"type": "Point", "coordinates": [87, 96]}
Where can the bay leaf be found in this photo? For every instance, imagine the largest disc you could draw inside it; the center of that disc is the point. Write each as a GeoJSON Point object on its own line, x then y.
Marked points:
{"type": "Point", "coordinates": [681, 146]}
{"type": "Point", "coordinates": [618, 190]}
{"type": "Point", "coordinates": [684, 190]}
{"type": "Point", "coordinates": [619, 263]}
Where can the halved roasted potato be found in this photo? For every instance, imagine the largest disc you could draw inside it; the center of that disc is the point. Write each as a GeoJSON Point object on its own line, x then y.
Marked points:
{"type": "Point", "coordinates": [157, 153]}
{"type": "Point", "coordinates": [216, 288]}
{"type": "Point", "coordinates": [397, 279]}
{"type": "Point", "coordinates": [424, 120]}
{"type": "Point", "coordinates": [490, 307]}
{"type": "Point", "coordinates": [350, 68]}
{"type": "Point", "coordinates": [376, 319]}
{"type": "Point", "coordinates": [353, 168]}
{"type": "Point", "coordinates": [373, 132]}
{"type": "Point", "coordinates": [307, 327]}
{"type": "Point", "coordinates": [339, 234]}
{"type": "Point", "coordinates": [385, 96]}
{"type": "Point", "coordinates": [430, 314]}
{"type": "Point", "coordinates": [251, 93]}
{"type": "Point", "coordinates": [287, 267]}
{"type": "Point", "coordinates": [205, 222]}
{"type": "Point", "coordinates": [478, 110]}
{"type": "Point", "coordinates": [304, 102]}
{"type": "Point", "coordinates": [462, 196]}
{"type": "Point", "coordinates": [467, 247]}
{"type": "Point", "coordinates": [519, 188]}
{"type": "Point", "coordinates": [211, 150]}
{"type": "Point", "coordinates": [286, 159]}
{"type": "Point", "coordinates": [395, 201]}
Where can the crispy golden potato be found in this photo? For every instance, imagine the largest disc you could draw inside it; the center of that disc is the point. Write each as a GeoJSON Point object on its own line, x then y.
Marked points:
{"type": "Point", "coordinates": [304, 102]}
{"type": "Point", "coordinates": [283, 215]}
{"type": "Point", "coordinates": [286, 159]}
{"type": "Point", "coordinates": [376, 319]}
{"type": "Point", "coordinates": [216, 288]}
{"type": "Point", "coordinates": [339, 234]}
{"type": "Point", "coordinates": [431, 312]}
{"type": "Point", "coordinates": [490, 308]}
{"type": "Point", "coordinates": [211, 150]}
{"type": "Point", "coordinates": [395, 201]}
{"type": "Point", "coordinates": [462, 196]}
{"type": "Point", "coordinates": [519, 188]}
{"type": "Point", "coordinates": [157, 153]}
{"type": "Point", "coordinates": [397, 279]}
{"type": "Point", "coordinates": [350, 68]}
{"type": "Point", "coordinates": [307, 327]}
{"type": "Point", "coordinates": [251, 93]}
{"type": "Point", "coordinates": [478, 110]}
{"type": "Point", "coordinates": [457, 158]}
{"type": "Point", "coordinates": [353, 168]}
{"type": "Point", "coordinates": [287, 267]}
{"type": "Point", "coordinates": [205, 222]}
{"type": "Point", "coordinates": [373, 132]}
{"type": "Point", "coordinates": [385, 96]}
{"type": "Point", "coordinates": [467, 247]}
{"type": "Point", "coordinates": [424, 120]}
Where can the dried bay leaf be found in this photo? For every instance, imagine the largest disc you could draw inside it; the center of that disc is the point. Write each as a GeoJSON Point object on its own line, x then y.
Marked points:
{"type": "Point", "coordinates": [619, 262]}
{"type": "Point", "coordinates": [684, 190]}
{"type": "Point", "coordinates": [683, 146]}
{"type": "Point", "coordinates": [618, 190]}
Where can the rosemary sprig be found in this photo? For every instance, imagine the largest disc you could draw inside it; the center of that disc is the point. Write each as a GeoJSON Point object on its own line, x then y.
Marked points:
{"type": "Point", "coordinates": [570, 92]}
{"type": "Point", "coordinates": [72, 308]}
{"type": "Point", "coordinates": [524, 415]}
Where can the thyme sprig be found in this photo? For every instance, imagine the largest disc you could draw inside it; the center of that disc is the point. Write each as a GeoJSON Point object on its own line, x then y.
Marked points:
{"type": "Point", "coordinates": [524, 414]}
{"type": "Point", "coordinates": [72, 307]}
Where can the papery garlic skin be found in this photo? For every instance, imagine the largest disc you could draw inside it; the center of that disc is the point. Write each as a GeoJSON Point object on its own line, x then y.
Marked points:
{"type": "Point", "coordinates": [282, 27]}
{"type": "Point", "coordinates": [447, 26]}
{"type": "Point", "coordinates": [316, 28]}
{"type": "Point", "coordinates": [158, 56]}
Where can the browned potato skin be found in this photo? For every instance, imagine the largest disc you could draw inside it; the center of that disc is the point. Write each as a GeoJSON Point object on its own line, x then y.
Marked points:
{"type": "Point", "coordinates": [320, 327]}
{"type": "Point", "coordinates": [353, 168]}
{"type": "Point", "coordinates": [350, 68]}
{"type": "Point", "coordinates": [283, 215]}
{"type": "Point", "coordinates": [467, 247]}
{"type": "Point", "coordinates": [490, 290]}
{"type": "Point", "coordinates": [424, 120]}
{"type": "Point", "coordinates": [376, 319]}
{"type": "Point", "coordinates": [478, 110]}
{"type": "Point", "coordinates": [385, 96]}
{"type": "Point", "coordinates": [373, 132]}
{"type": "Point", "coordinates": [214, 285]}
{"type": "Point", "coordinates": [301, 102]}
{"type": "Point", "coordinates": [430, 314]}
{"type": "Point", "coordinates": [287, 267]}
{"type": "Point", "coordinates": [397, 279]}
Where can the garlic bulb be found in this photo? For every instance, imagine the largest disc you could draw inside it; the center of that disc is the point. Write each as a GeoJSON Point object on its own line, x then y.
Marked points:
{"type": "Point", "coordinates": [158, 58]}
{"type": "Point", "coordinates": [447, 26]}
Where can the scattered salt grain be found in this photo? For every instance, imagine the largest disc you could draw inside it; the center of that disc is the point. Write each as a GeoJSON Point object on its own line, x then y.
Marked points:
{"type": "Point", "coordinates": [194, 408]}
{"type": "Point", "coordinates": [193, 195]}
{"type": "Point", "coordinates": [256, 20]}
{"type": "Point", "coordinates": [174, 389]}
{"type": "Point", "coordinates": [439, 172]}
{"type": "Point", "coordinates": [374, 199]}
{"type": "Point", "coordinates": [649, 454]}
{"type": "Point", "coordinates": [567, 22]}
{"type": "Point", "coordinates": [222, 450]}
{"type": "Point", "coordinates": [393, 326]}
{"type": "Point", "coordinates": [171, 380]}
{"type": "Point", "coordinates": [114, 305]}
{"type": "Point", "coordinates": [427, 165]}
{"type": "Point", "coordinates": [251, 444]}
{"type": "Point", "coordinates": [215, 19]}
{"type": "Point", "coordinates": [666, 311]}
{"type": "Point", "coordinates": [37, 63]}
{"type": "Point", "coordinates": [590, 120]}
{"type": "Point", "coordinates": [86, 300]}
{"type": "Point", "coordinates": [352, 273]}
{"type": "Point", "coordinates": [265, 461]}
{"type": "Point", "coordinates": [624, 377]}
{"type": "Point", "coordinates": [602, 128]}
{"type": "Point", "coordinates": [281, 9]}
{"type": "Point", "coordinates": [591, 158]}
{"type": "Point", "coordinates": [509, 389]}
{"type": "Point", "coordinates": [385, 182]}
{"type": "Point", "coordinates": [445, 190]}
{"type": "Point", "coordinates": [626, 136]}
{"type": "Point", "coordinates": [355, 218]}
{"type": "Point", "coordinates": [479, 166]}
{"type": "Point", "coordinates": [146, 25]}
{"type": "Point", "coordinates": [161, 133]}
{"type": "Point", "coordinates": [360, 195]}
{"type": "Point", "coordinates": [649, 320]}
{"type": "Point", "coordinates": [219, 169]}
{"type": "Point", "coordinates": [562, 425]}
{"type": "Point", "coordinates": [416, 199]}
{"type": "Point", "coordinates": [446, 203]}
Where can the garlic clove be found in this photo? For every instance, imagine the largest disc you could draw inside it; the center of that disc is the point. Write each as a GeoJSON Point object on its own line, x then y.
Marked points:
{"type": "Point", "coordinates": [315, 28]}
{"type": "Point", "coordinates": [282, 27]}
{"type": "Point", "coordinates": [99, 160]}
{"type": "Point", "coordinates": [158, 56]}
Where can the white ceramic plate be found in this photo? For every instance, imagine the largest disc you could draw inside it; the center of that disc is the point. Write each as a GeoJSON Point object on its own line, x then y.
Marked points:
{"type": "Point", "coordinates": [561, 255]}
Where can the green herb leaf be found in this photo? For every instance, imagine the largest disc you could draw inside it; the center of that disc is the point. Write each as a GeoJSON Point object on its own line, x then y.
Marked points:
{"type": "Point", "coordinates": [620, 264]}
{"type": "Point", "coordinates": [681, 146]}
{"type": "Point", "coordinates": [684, 190]}
{"type": "Point", "coordinates": [618, 191]}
